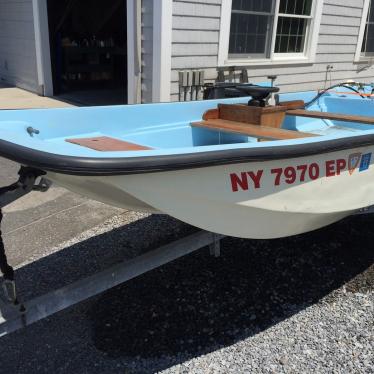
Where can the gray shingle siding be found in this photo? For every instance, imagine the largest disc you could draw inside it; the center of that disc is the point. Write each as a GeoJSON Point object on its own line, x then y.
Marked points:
{"type": "Point", "coordinates": [195, 44]}
{"type": "Point", "coordinates": [17, 44]}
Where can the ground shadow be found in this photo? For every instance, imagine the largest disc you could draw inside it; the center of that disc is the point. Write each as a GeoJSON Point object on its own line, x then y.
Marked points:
{"type": "Point", "coordinates": [97, 253]}
{"type": "Point", "coordinates": [199, 304]}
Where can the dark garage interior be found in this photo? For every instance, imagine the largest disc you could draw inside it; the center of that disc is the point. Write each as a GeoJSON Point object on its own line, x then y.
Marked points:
{"type": "Point", "coordinates": [88, 42]}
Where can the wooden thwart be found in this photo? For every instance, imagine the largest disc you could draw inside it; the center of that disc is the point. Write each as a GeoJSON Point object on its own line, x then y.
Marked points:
{"type": "Point", "coordinates": [107, 144]}
{"type": "Point", "coordinates": [257, 122]}
{"type": "Point", "coordinates": [331, 116]}
{"type": "Point", "coordinates": [256, 131]}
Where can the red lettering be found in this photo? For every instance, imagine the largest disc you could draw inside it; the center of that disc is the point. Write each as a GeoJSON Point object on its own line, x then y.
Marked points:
{"type": "Point", "coordinates": [290, 174]}
{"type": "Point", "coordinates": [278, 173]}
{"type": "Point", "coordinates": [330, 168]}
{"type": "Point", "coordinates": [237, 182]}
{"type": "Point", "coordinates": [341, 164]}
{"type": "Point", "coordinates": [256, 178]}
{"type": "Point", "coordinates": [314, 171]}
{"type": "Point", "coordinates": [303, 169]}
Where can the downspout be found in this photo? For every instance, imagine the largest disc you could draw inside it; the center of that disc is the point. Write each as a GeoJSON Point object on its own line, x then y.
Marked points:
{"type": "Point", "coordinates": [134, 45]}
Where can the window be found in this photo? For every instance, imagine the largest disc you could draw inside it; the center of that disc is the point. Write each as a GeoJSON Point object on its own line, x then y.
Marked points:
{"type": "Point", "coordinates": [268, 30]}
{"type": "Point", "coordinates": [250, 27]}
{"type": "Point", "coordinates": [367, 45]}
{"type": "Point", "coordinates": [294, 20]}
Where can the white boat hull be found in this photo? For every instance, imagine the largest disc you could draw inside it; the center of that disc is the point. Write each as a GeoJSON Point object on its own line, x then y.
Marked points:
{"type": "Point", "coordinates": [258, 200]}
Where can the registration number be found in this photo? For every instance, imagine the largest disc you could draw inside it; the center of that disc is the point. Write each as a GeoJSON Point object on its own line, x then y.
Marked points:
{"type": "Point", "coordinates": [290, 175]}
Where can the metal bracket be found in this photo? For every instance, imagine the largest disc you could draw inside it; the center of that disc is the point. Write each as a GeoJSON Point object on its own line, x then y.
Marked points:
{"type": "Point", "coordinates": [43, 185]}
{"type": "Point", "coordinates": [8, 194]}
{"type": "Point", "coordinates": [364, 211]}
{"type": "Point", "coordinates": [215, 246]}
{"type": "Point", "coordinates": [10, 293]}
{"type": "Point", "coordinates": [24, 185]}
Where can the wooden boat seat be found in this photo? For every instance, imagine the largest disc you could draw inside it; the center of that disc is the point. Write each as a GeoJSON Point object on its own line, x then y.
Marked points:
{"type": "Point", "coordinates": [107, 144]}
{"type": "Point", "coordinates": [261, 123]}
{"type": "Point", "coordinates": [330, 116]}
{"type": "Point", "coordinates": [255, 131]}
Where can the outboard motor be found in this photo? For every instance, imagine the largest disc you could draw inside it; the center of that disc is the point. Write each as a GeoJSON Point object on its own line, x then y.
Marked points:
{"type": "Point", "coordinates": [259, 94]}
{"type": "Point", "coordinates": [221, 91]}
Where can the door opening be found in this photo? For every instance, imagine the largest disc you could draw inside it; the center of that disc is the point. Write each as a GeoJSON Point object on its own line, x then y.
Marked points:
{"type": "Point", "coordinates": [88, 45]}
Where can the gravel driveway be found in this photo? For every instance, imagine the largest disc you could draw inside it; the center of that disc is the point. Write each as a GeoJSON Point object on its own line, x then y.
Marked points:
{"type": "Point", "coordinates": [301, 304]}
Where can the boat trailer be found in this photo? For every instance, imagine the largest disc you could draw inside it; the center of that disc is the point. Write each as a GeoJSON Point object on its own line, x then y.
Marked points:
{"type": "Point", "coordinates": [16, 314]}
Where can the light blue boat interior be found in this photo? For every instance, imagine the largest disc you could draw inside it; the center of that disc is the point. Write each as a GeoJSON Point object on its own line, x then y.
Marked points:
{"type": "Point", "coordinates": [166, 127]}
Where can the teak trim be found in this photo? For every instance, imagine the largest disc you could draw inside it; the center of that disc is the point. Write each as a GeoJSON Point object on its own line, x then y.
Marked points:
{"type": "Point", "coordinates": [107, 144]}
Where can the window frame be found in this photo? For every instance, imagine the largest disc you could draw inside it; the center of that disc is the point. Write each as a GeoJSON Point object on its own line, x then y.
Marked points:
{"type": "Point", "coordinates": [308, 56]}
{"type": "Point", "coordinates": [358, 56]}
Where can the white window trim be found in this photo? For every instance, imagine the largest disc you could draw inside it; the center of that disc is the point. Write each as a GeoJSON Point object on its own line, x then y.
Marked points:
{"type": "Point", "coordinates": [275, 59]}
{"type": "Point", "coordinates": [358, 56]}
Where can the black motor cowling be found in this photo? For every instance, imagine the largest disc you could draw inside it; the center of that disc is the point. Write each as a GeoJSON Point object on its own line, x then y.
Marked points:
{"type": "Point", "coordinates": [259, 94]}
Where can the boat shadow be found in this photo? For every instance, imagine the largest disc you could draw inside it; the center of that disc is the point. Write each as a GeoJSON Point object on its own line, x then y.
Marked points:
{"type": "Point", "coordinates": [198, 303]}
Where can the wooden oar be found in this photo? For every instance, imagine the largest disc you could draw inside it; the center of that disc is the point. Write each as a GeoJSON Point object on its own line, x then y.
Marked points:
{"type": "Point", "coordinates": [331, 116]}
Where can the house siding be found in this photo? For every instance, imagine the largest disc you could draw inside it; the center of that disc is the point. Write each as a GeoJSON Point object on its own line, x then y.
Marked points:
{"type": "Point", "coordinates": [195, 45]}
{"type": "Point", "coordinates": [17, 44]}
{"type": "Point", "coordinates": [147, 50]}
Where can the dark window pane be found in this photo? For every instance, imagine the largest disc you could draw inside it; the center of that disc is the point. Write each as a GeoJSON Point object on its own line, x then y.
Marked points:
{"type": "Point", "coordinates": [368, 42]}
{"type": "Point", "coordinates": [253, 5]}
{"type": "Point", "coordinates": [291, 34]}
{"type": "Point", "coordinates": [370, 46]}
{"type": "Point", "coordinates": [371, 12]}
{"type": "Point", "coordinates": [370, 38]}
{"type": "Point", "coordinates": [249, 33]}
{"type": "Point", "coordinates": [292, 44]}
{"type": "Point", "coordinates": [260, 43]}
{"type": "Point", "coordinates": [299, 44]}
{"type": "Point", "coordinates": [281, 44]}
{"type": "Point", "coordinates": [300, 7]}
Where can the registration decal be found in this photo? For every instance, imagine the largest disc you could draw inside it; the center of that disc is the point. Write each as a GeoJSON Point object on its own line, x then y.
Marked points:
{"type": "Point", "coordinates": [290, 175]}
{"type": "Point", "coordinates": [365, 162]}
{"type": "Point", "coordinates": [353, 162]}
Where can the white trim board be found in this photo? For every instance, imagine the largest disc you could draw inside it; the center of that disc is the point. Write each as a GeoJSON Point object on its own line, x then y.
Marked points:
{"type": "Point", "coordinates": [43, 57]}
{"type": "Point", "coordinates": [162, 38]}
{"type": "Point", "coordinates": [280, 59]}
{"type": "Point", "coordinates": [365, 11]}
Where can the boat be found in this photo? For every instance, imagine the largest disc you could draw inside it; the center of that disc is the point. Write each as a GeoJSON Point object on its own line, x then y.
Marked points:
{"type": "Point", "coordinates": [234, 166]}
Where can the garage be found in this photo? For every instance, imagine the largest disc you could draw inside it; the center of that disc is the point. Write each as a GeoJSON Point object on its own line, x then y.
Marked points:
{"type": "Point", "coordinates": [88, 50]}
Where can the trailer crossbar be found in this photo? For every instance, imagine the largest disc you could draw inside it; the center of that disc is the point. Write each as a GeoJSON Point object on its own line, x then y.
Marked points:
{"type": "Point", "coordinates": [14, 317]}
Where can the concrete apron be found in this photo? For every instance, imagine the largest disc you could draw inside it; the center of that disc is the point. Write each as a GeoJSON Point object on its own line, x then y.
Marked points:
{"type": "Point", "coordinates": [16, 98]}
{"type": "Point", "coordinates": [42, 220]}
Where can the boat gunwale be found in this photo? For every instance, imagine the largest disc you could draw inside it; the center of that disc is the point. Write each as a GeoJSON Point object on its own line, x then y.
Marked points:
{"type": "Point", "coordinates": [95, 166]}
